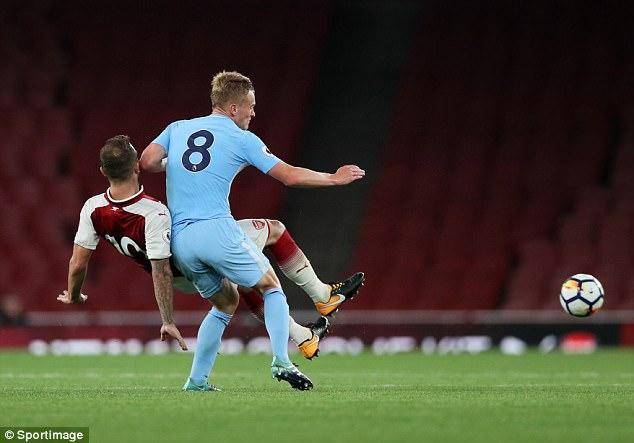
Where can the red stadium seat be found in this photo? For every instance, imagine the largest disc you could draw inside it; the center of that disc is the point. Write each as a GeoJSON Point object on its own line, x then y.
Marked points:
{"type": "Point", "coordinates": [507, 166]}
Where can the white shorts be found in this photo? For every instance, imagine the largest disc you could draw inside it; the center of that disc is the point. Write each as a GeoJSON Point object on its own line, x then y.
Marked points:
{"type": "Point", "coordinates": [257, 229]}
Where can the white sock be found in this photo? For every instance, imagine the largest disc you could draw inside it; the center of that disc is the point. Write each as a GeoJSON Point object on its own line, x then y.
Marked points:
{"type": "Point", "coordinates": [299, 270]}
{"type": "Point", "coordinates": [298, 333]}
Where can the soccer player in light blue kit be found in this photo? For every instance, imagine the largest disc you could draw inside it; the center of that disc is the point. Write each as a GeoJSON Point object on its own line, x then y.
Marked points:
{"type": "Point", "coordinates": [203, 157]}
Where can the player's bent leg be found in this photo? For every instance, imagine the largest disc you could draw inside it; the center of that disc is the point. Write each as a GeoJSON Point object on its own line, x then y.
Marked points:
{"type": "Point", "coordinates": [306, 338]}
{"type": "Point", "coordinates": [293, 262]}
{"type": "Point", "coordinates": [296, 266]}
{"type": "Point", "coordinates": [246, 265]}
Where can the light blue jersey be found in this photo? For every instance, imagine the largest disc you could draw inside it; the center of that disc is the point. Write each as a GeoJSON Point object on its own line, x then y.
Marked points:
{"type": "Point", "coordinates": [204, 156]}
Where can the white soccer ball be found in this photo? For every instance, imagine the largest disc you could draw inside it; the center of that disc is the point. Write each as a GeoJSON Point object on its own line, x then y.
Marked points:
{"type": "Point", "coordinates": [581, 295]}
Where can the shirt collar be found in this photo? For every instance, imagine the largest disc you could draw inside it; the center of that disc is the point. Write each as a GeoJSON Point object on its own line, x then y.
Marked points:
{"type": "Point", "coordinates": [126, 201]}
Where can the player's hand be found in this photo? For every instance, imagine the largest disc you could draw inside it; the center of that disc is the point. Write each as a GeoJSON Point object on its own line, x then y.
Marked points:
{"type": "Point", "coordinates": [347, 174]}
{"type": "Point", "coordinates": [170, 330]}
{"type": "Point", "coordinates": [66, 298]}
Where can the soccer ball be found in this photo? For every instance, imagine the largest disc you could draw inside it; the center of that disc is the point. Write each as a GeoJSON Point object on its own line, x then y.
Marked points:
{"type": "Point", "coordinates": [581, 295]}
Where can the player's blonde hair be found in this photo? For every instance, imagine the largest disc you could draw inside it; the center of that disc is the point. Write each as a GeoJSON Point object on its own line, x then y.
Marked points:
{"type": "Point", "coordinates": [118, 158]}
{"type": "Point", "coordinates": [229, 87]}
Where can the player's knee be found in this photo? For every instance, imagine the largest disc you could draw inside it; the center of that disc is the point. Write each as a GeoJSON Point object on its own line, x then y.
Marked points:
{"type": "Point", "coordinates": [268, 281]}
{"type": "Point", "coordinates": [228, 306]}
{"type": "Point", "coordinates": [276, 229]}
{"type": "Point", "coordinates": [226, 300]}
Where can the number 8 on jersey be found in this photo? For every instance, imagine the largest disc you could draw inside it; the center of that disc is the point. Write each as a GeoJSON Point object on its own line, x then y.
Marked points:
{"type": "Point", "coordinates": [203, 150]}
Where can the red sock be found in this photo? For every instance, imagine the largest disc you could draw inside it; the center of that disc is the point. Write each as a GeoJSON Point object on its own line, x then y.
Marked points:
{"type": "Point", "coordinates": [255, 303]}
{"type": "Point", "coordinates": [296, 266]}
{"type": "Point", "coordinates": [284, 249]}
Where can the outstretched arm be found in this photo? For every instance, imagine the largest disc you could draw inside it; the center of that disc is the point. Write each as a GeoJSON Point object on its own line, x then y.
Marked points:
{"type": "Point", "coordinates": [294, 176]}
{"type": "Point", "coordinates": [162, 278]}
{"type": "Point", "coordinates": [77, 267]}
{"type": "Point", "coordinates": [152, 158]}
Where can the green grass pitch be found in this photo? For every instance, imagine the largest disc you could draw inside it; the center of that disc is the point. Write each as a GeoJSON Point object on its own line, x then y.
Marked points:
{"type": "Point", "coordinates": [403, 398]}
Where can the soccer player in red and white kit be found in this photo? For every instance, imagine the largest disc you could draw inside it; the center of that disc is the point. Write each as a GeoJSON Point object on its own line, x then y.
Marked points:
{"type": "Point", "coordinates": [138, 226]}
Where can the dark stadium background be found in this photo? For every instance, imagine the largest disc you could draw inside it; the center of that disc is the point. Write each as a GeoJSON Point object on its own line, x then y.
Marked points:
{"type": "Point", "coordinates": [496, 136]}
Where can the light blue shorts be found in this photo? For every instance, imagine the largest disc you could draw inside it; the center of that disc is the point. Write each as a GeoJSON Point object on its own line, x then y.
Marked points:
{"type": "Point", "coordinates": [209, 250]}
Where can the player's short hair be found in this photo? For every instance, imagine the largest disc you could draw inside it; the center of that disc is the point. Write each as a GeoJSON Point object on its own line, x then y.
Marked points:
{"type": "Point", "coordinates": [118, 157]}
{"type": "Point", "coordinates": [229, 87]}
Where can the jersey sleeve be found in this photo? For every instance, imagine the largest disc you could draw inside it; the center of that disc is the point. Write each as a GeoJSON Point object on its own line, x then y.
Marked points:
{"type": "Point", "coordinates": [86, 236]}
{"type": "Point", "coordinates": [163, 138]}
{"type": "Point", "coordinates": [157, 235]}
{"type": "Point", "coordinates": [257, 154]}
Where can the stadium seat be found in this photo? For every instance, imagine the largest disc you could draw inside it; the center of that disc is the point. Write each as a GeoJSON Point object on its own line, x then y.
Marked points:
{"type": "Point", "coordinates": [63, 110]}
{"type": "Point", "coordinates": [510, 158]}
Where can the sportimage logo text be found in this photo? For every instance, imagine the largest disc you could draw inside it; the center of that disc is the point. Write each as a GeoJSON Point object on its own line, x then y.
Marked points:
{"type": "Point", "coordinates": [45, 434]}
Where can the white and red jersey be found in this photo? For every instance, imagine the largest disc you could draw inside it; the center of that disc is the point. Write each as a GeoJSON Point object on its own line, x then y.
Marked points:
{"type": "Point", "coordinates": [138, 227]}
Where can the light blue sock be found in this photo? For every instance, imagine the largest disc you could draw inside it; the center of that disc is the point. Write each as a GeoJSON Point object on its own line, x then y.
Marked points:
{"type": "Point", "coordinates": [208, 344]}
{"type": "Point", "coordinates": [276, 321]}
